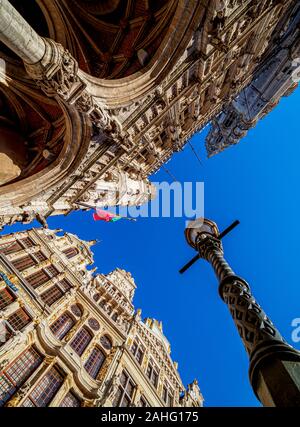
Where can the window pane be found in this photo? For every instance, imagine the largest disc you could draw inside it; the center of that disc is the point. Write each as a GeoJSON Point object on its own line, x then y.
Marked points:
{"type": "Point", "coordinates": [81, 341]}
{"type": "Point", "coordinates": [70, 401]}
{"type": "Point", "coordinates": [40, 256]}
{"type": "Point", "coordinates": [17, 373]}
{"type": "Point", "coordinates": [123, 379]}
{"type": "Point", "coordinates": [10, 247]}
{"type": "Point", "coordinates": [65, 285]}
{"type": "Point", "coordinates": [27, 242]}
{"type": "Point", "coordinates": [7, 389]}
{"type": "Point", "coordinates": [70, 252]}
{"type": "Point", "coordinates": [46, 389]}
{"type": "Point", "coordinates": [18, 320]}
{"type": "Point", "coordinates": [134, 347]}
{"type": "Point", "coordinates": [28, 403]}
{"type": "Point", "coordinates": [62, 325]}
{"type": "Point", "coordinates": [52, 295]}
{"type": "Point", "coordinates": [23, 366]}
{"type": "Point", "coordinates": [130, 388]}
{"type": "Point", "coordinates": [139, 356]}
{"type": "Point", "coordinates": [37, 279]}
{"type": "Point", "coordinates": [94, 362]}
{"type": "Point", "coordinates": [125, 391]}
{"type": "Point", "coordinates": [52, 270]}
{"type": "Point", "coordinates": [23, 263]}
{"type": "Point", "coordinates": [6, 298]}
{"type": "Point", "coordinates": [125, 402]}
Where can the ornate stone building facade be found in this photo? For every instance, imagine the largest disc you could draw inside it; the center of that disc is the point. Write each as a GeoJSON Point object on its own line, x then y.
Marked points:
{"type": "Point", "coordinates": [96, 95]}
{"type": "Point", "coordinates": [276, 77]}
{"type": "Point", "coordinates": [69, 337]}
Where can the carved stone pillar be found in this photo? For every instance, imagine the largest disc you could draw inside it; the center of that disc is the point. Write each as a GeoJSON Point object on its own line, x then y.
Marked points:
{"type": "Point", "coordinates": [274, 365]}
{"type": "Point", "coordinates": [18, 35]}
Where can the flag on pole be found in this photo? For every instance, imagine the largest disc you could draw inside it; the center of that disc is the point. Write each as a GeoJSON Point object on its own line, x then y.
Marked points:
{"type": "Point", "coordinates": [101, 215]}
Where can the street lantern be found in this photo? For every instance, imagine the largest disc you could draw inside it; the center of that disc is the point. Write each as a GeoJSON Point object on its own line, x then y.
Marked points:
{"type": "Point", "coordinates": [274, 365]}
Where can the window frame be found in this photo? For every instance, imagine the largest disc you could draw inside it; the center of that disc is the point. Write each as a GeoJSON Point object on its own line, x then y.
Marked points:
{"type": "Point", "coordinates": [61, 332]}
{"type": "Point", "coordinates": [140, 348]}
{"type": "Point", "coordinates": [15, 379]}
{"type": "Point", "coordinates": [123, 390]}
{"type": "Point", "coordinates": [77, 348]}
{"type": "Point", "coordinates": [45, 389]}
{"type": "Point", "coordinates": [152, 368]}
{"type": "Point", "coordinates": [19, 319]}
{"type": "Point", "coordinates": [94, 368]}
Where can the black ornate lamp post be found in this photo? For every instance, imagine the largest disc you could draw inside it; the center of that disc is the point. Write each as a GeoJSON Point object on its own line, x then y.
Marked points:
{"type": "Point", "coordinates": [274, 365]}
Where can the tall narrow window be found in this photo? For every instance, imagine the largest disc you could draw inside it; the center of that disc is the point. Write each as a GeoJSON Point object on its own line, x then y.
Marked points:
{"type": "Point", "coordinates": [125, 391]}
{"type": "Point", "coordinates": [70, 401]}
{"type": "Point", "coordinates": [19, 319]}
{"type": "Point", "coordinates": [15, 375]}
{"type": "Point", "coordinates": [152, 373]}
{"type": "Point", "coordinates": [23, 263]}
{"type": "Point", "coordinates": [65, 285]}
{"type": "Point", "coordinates": [94, 362]}
{"type": "Point", "coordinates": [40, 256]}
{"type": "Point", "coordinates": [70, 252]}
{"type": "Point", "coordinates": [52, 295]}
{"type": "Point", "coordinates": [167, 395]}
{"type": "Point", "coordinates": [46, 389]}
{"type": "Point", "coordinates": [52, 270]}
{"type": "Point", "coordinates": [81, 341]}
{"type": "Point", "coordinates": [62, 325]}
{"type": "Point", "coordinates": [27, 242]}
{"type": "Point", "coordinates": [10, 247]}
{"type": "Point", "coordinates": [138, 350]}
{"type": "Point", "coordinates": [38, 279]}
{"type": "Point", "coordinates": [6, 298]}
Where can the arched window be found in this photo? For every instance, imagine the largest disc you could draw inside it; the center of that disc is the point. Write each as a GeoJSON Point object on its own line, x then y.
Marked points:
{"type": "Point", "coordinates": [70, 252]}
{"type": "Point", "coordinates": [95, 362]}
{"type": "Point", "coordinates": [62, 325]}
{"type": "Point", "coordinates": [106, 343]}
{"type": "Point", "coordinates": [81, 341]}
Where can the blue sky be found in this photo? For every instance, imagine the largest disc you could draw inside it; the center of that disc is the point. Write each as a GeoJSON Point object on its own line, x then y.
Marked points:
{"type": "Point", "coordinates": [256, 182]}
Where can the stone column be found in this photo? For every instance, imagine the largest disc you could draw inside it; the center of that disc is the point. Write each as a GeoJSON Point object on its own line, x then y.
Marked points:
{"type": "Point", "coordinates": [53, 68]}
{"type": "Point", "coordinates": [18, 35]}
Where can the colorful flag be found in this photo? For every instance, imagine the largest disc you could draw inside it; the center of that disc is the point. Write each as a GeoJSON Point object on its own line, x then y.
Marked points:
{"type": "Point", "coordinates": [101, 215]}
